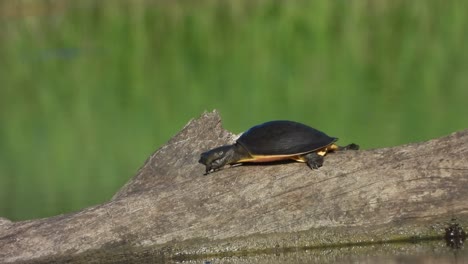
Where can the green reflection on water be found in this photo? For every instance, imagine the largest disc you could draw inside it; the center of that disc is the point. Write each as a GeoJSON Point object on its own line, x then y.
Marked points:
{"type": "Point", "coordinates": [430, 251]}
{"type": "Point", "coordinates": [427, 251]}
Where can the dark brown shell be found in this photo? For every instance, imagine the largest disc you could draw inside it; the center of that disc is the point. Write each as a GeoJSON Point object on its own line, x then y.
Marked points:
{"type": "Point", "coordinates": [283, 138]}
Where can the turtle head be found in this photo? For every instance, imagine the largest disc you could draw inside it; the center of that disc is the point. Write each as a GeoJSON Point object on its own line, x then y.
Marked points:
{"type": "Point", "coordinates": [217, 157]}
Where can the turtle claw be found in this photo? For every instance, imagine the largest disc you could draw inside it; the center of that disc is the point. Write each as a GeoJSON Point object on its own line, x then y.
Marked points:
{"type": "Point", "coordinates": [314, 165]}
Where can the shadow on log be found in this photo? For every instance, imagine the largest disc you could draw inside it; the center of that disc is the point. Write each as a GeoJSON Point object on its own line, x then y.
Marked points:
{"type": "Point", "coordinates": [171, 211]}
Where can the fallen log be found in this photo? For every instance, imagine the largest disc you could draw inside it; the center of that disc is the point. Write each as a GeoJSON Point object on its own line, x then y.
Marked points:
{"type": "Point", "coordinates": [170, 210]}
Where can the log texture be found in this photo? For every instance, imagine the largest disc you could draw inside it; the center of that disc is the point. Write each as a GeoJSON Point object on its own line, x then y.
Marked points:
{"type": "Point", "coordinates": [170, 210]}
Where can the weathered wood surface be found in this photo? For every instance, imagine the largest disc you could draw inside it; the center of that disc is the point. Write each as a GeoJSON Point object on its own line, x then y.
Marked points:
{"type": "Point", "coordinates": [170, 209]}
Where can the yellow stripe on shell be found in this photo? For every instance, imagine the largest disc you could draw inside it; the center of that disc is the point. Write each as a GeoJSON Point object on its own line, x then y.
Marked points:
{"type": "Point", "coordinates": [297, 157]}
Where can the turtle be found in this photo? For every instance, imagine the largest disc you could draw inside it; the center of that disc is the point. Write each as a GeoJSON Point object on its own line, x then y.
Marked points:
{"type": "Point", "coordinates": [274, 141]}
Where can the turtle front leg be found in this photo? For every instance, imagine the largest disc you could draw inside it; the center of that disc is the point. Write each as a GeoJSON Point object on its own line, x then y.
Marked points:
{"type": "Point", "coordinates": [313, 160]}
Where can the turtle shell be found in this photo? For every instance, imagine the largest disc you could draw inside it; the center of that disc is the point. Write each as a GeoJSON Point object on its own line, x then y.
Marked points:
{"type": "Point", "coordinates": [283, 138]}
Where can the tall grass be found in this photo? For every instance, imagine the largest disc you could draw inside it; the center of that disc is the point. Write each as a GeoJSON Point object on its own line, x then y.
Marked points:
{"type": "Point", "coordinates": [89, 88]}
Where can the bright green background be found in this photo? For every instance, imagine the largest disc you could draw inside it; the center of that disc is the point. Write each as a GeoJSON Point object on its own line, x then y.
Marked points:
{"type": "Point", "coordinates": [89, 89]}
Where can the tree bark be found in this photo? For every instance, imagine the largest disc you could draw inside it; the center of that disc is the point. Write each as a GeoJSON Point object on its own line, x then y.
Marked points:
{"type": "Point", "coordinates": [170, 210]}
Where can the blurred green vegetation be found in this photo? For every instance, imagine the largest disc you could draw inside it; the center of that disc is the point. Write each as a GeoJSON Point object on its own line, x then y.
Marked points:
{"type": "Point", "coordinates": [89, 89]}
